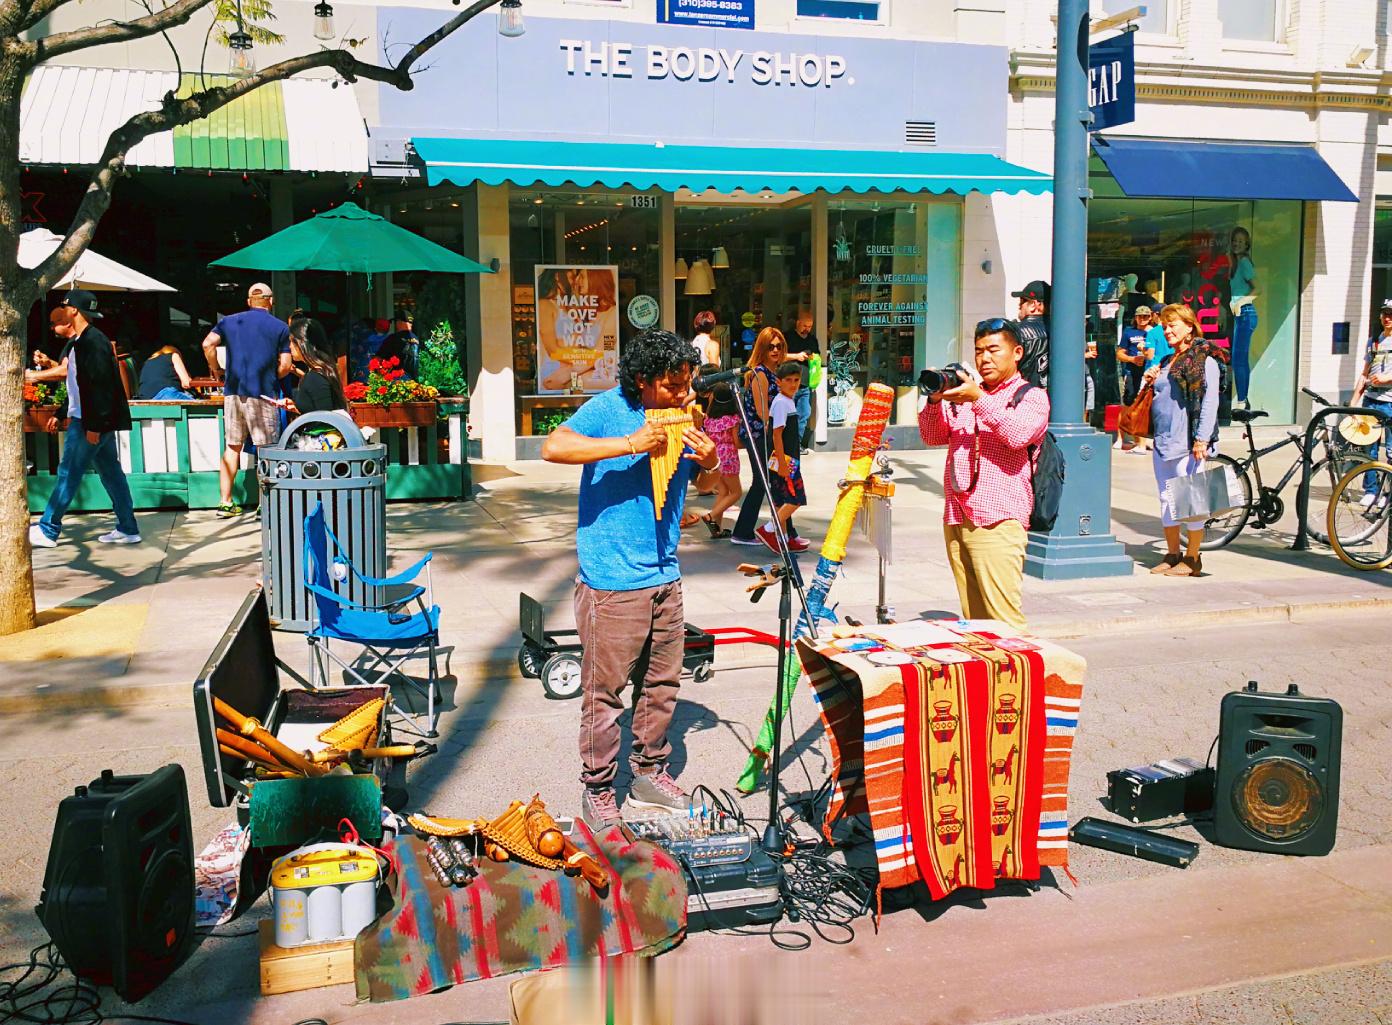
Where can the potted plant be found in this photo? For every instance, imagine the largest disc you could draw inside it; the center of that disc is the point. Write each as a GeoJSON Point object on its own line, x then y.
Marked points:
{"type": "Point", "coordinates": [42, 402]}
{"type": "Point", "coordinates": [842, 367]}
{"type": "Point", "coordinates": [438, 365]}
{"type": "Point", "coordinates": [390, 398]}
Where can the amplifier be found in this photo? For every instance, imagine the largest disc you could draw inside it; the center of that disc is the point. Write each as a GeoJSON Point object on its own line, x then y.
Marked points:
{"type": "Point", "coordinates": [706, 838]}
{"type": "Point", "coordinates": [1177, 786]}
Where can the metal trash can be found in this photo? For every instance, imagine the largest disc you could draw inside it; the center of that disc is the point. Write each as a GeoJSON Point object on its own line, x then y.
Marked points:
{"type": "Point", "coordinates": [321, 457]}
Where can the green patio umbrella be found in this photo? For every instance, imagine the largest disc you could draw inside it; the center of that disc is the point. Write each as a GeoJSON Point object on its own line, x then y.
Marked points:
{"type": "Point", "coordinates": [349, 239]}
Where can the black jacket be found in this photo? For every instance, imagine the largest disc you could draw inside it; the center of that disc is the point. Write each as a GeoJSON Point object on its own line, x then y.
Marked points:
{"type": "Point", "coordinates": [101, 395]}
{"type": "Point", "coordinates": [1034, 337]}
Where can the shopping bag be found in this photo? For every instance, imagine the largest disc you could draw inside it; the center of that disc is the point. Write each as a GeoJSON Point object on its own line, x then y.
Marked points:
{"type": "Point", "coordinates": [1204, 494]}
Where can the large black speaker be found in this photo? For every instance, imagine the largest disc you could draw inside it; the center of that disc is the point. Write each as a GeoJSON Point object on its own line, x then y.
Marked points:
{"type": "Point", "coordinates": [1278, 772]}
{"type": "Point", "coordinates": [118, 890]}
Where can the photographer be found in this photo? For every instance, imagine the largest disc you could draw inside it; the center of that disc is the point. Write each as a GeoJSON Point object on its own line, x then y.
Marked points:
{"type": "Point", "coordinates": [988, 429]}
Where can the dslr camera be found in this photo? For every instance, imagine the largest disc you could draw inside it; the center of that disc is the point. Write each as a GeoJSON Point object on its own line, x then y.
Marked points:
{"type": "Point", "coordinates": [935, 379]}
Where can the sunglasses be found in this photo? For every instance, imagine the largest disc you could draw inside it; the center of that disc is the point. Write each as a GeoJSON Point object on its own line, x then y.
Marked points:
{"type": "Point", "coordinates": [995, 324]}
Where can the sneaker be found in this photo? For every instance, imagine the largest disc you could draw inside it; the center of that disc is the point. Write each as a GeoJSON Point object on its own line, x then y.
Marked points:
{"type": "Point", "coordinates": [1366, 502]}
{"type": "Point", "coordinates": [599, 808]}
{"type": "Point", "coordinates": [658, 791]}
{"type": "Point", "coordinates": [745, 541]}
{"type": "Point", "coordinates": [228, 509]}
{"type": "Point", "coordinates": [38, 539]}
{"type": "Point", "coordinates": [116, 537]}
{"type": "Point", "coordinates": [798, 544]}
{"type": "Point", "coordinates": [769, 538]}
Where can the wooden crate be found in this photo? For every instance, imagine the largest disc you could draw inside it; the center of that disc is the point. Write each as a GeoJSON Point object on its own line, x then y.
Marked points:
{"type": "Point", "coordinates": [289, 969]}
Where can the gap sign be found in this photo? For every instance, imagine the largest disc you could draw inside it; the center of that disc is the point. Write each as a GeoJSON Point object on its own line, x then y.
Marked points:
{"type": "Point", "coordinates": [710, 13]}
{"type": "Point", "coordinates": [1112, 82]}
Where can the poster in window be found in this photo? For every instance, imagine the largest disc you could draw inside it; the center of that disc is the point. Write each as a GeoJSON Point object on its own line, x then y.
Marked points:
{"type": "Point", "coordinates": [577, 316]}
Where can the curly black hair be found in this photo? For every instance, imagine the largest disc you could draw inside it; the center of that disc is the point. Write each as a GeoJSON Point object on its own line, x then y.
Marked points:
{"type": "Point", "coordinates": [650, 355]}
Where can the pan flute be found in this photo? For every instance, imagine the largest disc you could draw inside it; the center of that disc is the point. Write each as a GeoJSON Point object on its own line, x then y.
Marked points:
{"type": "Point", "coordinates": [664, 464]}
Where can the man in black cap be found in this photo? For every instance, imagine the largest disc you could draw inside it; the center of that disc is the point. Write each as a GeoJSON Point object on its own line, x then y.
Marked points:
{"type": "Point", "coordinates": [401, 343]}
{"type": "Point", "coordinates": [1034, 332]}
{"type": "Point", "coordinates": [97, 409]}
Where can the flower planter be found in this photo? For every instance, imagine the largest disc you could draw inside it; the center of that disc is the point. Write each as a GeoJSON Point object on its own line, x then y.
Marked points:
{"type": "Point", "coordinates": [36, 418]}
{"type": "Point", "coordinates": [394, 414]}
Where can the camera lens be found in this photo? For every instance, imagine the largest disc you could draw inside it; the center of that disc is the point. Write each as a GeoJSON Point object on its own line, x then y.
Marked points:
{"type": "Point", "coordinates": [931, 380]}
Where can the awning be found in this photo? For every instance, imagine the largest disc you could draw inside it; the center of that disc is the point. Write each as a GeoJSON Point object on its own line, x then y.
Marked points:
{"type": "Point", "coordinates": [1219, 170]}
{"type": "Point", "coordinates": [67, 113]}
{"type": "Point", "coordinates": [619, 165]}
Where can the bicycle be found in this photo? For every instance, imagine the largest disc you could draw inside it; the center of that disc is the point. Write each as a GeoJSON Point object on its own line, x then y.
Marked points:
{"type": "Point", "coordinates": [1359, 511]}
{"type": "Point", "coordinates": [1264, 504]}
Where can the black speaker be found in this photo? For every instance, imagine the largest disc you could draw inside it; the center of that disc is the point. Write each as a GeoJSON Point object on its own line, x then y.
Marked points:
{"type": "Point", "coordinates": [1278, 772]}
{"type": "Point", "coordinates": [118, 890]}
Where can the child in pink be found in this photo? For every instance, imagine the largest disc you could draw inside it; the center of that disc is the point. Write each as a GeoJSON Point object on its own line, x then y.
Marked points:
{"type": "Point", "coordinates": [722, 424]}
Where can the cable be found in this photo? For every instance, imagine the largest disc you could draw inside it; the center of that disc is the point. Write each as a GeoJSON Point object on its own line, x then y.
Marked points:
{"type": "Point", "coordinates": [73, 1003]}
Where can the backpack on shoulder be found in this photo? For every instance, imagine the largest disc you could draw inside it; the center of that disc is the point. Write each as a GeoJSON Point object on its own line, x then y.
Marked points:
{"type": "Point", "coordinates": [1047, 472]}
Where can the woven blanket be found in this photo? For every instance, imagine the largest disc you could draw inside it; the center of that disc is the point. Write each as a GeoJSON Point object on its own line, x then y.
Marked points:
{"type": "Point", "coordinates": [962, 769]}
{"type": "Point", "coordinates": [515, 918]}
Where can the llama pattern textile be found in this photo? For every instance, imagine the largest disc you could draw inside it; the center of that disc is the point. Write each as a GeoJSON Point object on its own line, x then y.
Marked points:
{"type": "Point", "coordinates": [514, 918]}
{"type": "Point", "coordinates": [962, 769]}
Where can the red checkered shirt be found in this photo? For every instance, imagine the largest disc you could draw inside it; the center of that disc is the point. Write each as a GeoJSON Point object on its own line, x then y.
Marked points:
{"type": "Point", "coordinates": [1003, 488]}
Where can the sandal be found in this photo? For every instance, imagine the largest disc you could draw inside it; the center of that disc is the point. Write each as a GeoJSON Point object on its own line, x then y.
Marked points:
{"type": "Point", "coordinates": [689, 520]}
{"type": "Point", "coordinates": [715, 531]}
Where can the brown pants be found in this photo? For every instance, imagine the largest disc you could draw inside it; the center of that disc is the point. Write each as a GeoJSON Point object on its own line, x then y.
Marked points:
{"type": "Point", "coordinates": [988, 564]}
{"type": "Point", "coordinates": [629, 636]}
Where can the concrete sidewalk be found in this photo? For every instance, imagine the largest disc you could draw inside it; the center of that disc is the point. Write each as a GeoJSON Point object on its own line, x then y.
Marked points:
{"type": "Point", "coordinates": [133, 625]}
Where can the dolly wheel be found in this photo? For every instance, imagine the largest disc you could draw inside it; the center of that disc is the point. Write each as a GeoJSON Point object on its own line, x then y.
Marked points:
{"type": "Point", "coordinates": [560, 676]}
{"type": "Point", "coordinates": [703, 673]}
{"type": "Point", "coordinates": [530, 659]}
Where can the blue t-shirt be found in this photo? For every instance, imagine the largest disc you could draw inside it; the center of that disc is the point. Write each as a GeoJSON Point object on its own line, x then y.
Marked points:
{"type": "Point", "coordinates": [1159, 345]}
{"type": "Point", "coordinates": [254, 339]}
{"type": "Point", "coordinates": [1132, 341]}
{"type": "Point", "coordinates": [621, 544]}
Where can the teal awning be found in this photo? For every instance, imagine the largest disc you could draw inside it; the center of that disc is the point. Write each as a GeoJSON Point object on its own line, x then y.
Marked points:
{"type": "Point", "coordinates": [698, 168]}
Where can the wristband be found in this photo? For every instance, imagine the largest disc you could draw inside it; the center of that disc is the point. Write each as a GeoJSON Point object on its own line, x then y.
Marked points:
{"type": "Point", "coordinates": [631, 450]}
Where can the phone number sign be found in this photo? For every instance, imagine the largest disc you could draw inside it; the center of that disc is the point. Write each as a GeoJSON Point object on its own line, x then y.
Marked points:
{"type": "Point", "coordinates": [709, 13]}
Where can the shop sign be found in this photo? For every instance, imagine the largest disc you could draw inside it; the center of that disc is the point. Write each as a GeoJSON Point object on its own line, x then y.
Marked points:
{"type": "Point", "coordinates": [644, 202]}
{"type": "Point", "coordinates": [709, 13]}
{"type": "Point", "coordinates": [1112, 81]}
{"type": "Point", "coordinates": [642, 311]}
{"type": "Point", "coordinates": [585, 57]}
{"type": "Point", "coordinates": [577, 321]}
{"type": "Point", "coordinates": [747, 318]}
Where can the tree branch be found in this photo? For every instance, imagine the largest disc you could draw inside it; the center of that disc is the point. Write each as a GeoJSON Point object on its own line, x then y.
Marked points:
{"type": "Point", "coordinates": [175, 110]}
{"type": "Point", "coordinates": [60, 43]}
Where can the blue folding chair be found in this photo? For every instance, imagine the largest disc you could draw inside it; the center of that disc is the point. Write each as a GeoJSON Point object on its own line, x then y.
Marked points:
{"type": "Point", "coordinates": [386, 633]}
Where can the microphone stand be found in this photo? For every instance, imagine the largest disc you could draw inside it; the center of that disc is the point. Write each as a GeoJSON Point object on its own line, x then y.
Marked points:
{"type": "Point", "coordinates": [790, 578]}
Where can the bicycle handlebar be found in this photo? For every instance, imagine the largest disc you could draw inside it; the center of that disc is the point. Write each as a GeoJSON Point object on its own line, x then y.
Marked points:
{"type": "Point", "coordinates": [1317, 397]}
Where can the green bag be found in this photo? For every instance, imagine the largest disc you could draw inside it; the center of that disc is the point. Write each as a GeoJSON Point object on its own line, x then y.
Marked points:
{"type": "Point", "coordinates": [814, 370]}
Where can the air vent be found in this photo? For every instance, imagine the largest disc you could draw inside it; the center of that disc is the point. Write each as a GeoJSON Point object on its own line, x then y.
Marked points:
{"type": "Point", "coordinates": [920, 133]}
{"type": "Point", "coordinates": [1307, 751]}
{"type": "Point", "coordinates": [1256, 746]}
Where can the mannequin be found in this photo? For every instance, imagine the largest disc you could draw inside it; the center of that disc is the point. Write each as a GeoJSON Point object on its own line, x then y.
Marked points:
{"type": "Point", "coordinates": [1244, 309]}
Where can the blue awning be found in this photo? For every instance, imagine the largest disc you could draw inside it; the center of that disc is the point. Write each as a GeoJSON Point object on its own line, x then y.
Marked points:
{"type": "Point", "coordinates": [1219, 170]}
{"type": "Point", "coordinates": [618, 165]}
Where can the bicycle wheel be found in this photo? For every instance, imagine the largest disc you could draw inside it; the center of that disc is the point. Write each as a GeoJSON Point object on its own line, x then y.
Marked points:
{"type": "Point", "coordinates": [1358, 528]}
{"type": "Point", "coordinates": [1325, 476]}
{"type": "Point", "coordinates": [1220, 530]}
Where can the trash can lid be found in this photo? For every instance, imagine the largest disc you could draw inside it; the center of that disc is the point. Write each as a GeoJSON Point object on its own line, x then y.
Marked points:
{"type": "Point", "coordinates": [333, 419]}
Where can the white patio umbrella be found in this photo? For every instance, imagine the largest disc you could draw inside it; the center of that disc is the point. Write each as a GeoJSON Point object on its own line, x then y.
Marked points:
{"type": "Point", "coordinates": [92, 271]}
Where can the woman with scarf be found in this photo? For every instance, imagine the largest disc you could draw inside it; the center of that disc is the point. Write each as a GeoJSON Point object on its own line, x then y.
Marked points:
{"type": "Point", "coordinates": [1184, 425]}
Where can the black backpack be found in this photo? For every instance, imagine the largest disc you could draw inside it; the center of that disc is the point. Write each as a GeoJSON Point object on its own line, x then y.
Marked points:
{"type": "Point", "coordinates": [1046, 477]}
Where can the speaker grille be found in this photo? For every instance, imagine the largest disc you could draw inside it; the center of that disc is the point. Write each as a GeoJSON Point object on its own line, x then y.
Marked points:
{"type": "Point", "coordinates": [1307, 751]}
{"type": "Point", "coordinates": [1278, 799]}
{"type": "Point", "coordinates": [1256, 746]}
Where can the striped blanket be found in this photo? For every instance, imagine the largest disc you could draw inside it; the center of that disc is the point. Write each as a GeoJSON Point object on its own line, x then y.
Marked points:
{"type": "Point", "coordinates": [962, 769]}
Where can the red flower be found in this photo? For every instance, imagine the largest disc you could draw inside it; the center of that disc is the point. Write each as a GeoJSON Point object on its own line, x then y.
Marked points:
{"type": "Point", "coordinates": [374, 364]}
{"type": "Point", "coordinates": [394, 362]}
{"type": "Point", "coordinates": [355, 392]}
{"type": "Point", "coordinates": [382, 390]}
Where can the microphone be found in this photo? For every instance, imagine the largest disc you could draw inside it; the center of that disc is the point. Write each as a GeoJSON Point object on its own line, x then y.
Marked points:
{"type": "Point", "coordinates": [708, 381]}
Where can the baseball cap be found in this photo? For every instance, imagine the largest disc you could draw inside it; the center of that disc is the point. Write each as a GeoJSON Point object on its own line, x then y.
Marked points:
{"type": "Point", "coordinates": [1387, 304]}
{"type": "Point", "coordinates": [1146, 310]}
{"type": "Point", "coordinates": [84, 302]}
{"type": "Point", "coordinates": [259, 289]}
{"type": "Point", "coordinates": [1034, 290]}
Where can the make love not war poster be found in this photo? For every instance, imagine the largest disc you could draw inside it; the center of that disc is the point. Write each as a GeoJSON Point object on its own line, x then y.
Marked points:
{"type": "Point", "coordinates": [577, 317]}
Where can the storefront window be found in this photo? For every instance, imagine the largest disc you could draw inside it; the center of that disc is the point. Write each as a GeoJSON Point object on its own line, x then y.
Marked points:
{"type": "Point", "coordinates": [585, 269]}
{"type": "Point", "coordinates": [1216, 257]}
{"type": "Point", "coordinates": [893, 275]}
{"type": "Point", "coordinates": [1258, 20]}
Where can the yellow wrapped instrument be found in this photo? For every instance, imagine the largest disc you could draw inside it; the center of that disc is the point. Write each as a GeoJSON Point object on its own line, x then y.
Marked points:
{"type": "Point", "coordinates": [664, 464]}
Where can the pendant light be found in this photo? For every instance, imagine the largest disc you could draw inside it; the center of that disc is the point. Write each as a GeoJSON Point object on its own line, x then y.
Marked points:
{"type": "Point", "coordinates": [323, 21]}
{"type": "Point", "coordinates": [241, 62]}
{"type": "Point", "coordinates": [720, 259]}
{"type": "Point", "coordinates": [679, 270]}
{"type": "Point", "coordinates": [510, 19]}
{"type": "Point", "coordinates": [701, 279]}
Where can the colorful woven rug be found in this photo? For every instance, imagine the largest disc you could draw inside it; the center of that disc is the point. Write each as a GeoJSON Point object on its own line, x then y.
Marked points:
{"type": "Point", "coordinates": [962, 769]}
{"type": "Point", "coordinates": [516, 918]}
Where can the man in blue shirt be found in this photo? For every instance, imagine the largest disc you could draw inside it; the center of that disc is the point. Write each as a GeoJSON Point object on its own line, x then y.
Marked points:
{"type": "Point", "coordinates": [258, 353]}
{"type": "Point", "coordinates": [628, 595]}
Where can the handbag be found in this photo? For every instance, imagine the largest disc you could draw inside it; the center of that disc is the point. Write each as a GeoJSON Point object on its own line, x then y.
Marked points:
{"type": "Point", "coordinates": [1135, 418]}
{"type": "Point", "coordinates": [1204, 494]}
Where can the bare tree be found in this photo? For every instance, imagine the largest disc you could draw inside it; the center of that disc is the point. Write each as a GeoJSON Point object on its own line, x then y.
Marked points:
{"type": "Point", "coordinates": [21, 288]}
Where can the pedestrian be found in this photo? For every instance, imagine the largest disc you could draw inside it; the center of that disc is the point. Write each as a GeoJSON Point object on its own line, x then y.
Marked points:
{"type": "Point", "coordinates": [258, 355]}
{"type": "Point", "coordinates": [628, 595]}
{"type": "Point", "coordinates": [1133, 354]}
{"type": "Point", "coordinates": [319, 390]}
{"type": "Point", "coordinates": [785, 477]}
{"type": "Point", "coordinates": [1184, 426]}
{"type": "Point", "coordinates": [802, 346]}
{"type": "Point", "coordinates": [1373, 389]}
{"type": "Point", "coordinates": [760, 386]}
{"type": "Point", "coordinates": [97, 409]}
{"type": "Point", "coordinates": [709, 348]}
{"type": "Point", "coordinates": [402, 343]}
{"type": "Point", "coordinates": [1034, 332]}
{"type": "Point", "coordinates": [722, 424]}
{"type": "Point", "coordinates": [164, 377]}
{"type": "Point", "coordinates": [989, 429]}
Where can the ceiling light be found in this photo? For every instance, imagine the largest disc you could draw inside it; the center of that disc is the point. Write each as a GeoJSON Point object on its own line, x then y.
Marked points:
{"type": "Point", "coordinates": [323, 21]}
{"type": "Point", "coordinates": [720, 259]}
{"type": "Point", "coordinates": [510, 19]}
{"type": "Point", "coordinates": [679, 269]}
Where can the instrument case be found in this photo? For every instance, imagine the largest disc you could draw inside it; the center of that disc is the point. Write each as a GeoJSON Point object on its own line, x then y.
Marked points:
{"type": "Point", "coordinates": [244, 672]}
{"type": "Point", "coordinates": [732, 895]}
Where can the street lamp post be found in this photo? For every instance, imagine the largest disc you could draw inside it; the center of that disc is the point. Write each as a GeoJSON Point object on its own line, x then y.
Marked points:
{"type": "Point", "coordinates": [1081, 543]}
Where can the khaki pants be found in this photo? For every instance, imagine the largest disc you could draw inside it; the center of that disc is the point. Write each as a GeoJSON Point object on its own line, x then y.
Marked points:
{"type": "Point", "coordinates": [989, 565]}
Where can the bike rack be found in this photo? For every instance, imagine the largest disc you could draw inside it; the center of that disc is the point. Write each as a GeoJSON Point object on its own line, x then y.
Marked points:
{"type": "Point", "coordinates": [1302, 494]}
